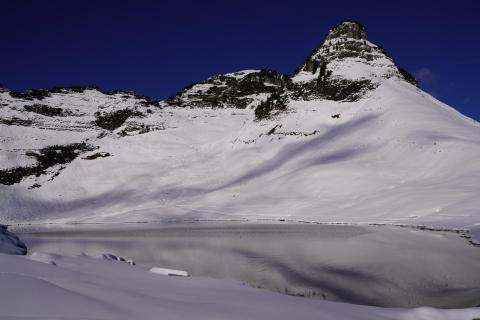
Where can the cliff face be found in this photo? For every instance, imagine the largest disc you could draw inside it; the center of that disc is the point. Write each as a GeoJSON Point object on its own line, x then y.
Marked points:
{"type": "Point", "coordinates": [347, 29]}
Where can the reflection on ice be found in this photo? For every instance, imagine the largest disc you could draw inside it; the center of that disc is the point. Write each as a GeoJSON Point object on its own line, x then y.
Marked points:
{"type": "Point", "coordinates": [382, 266]}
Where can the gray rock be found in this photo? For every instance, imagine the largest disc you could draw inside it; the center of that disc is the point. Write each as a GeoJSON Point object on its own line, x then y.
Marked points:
{"type": "Point", "coordinates": [10, 243]}
{"type": "Point", "coordinates": [348, 29]}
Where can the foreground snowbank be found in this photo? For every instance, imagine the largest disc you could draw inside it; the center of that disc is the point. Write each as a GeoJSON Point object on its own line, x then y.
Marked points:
{"type": "Point", "coordinates": [9, 242]}
{"type": "Point", "coordinates": [82, 287]}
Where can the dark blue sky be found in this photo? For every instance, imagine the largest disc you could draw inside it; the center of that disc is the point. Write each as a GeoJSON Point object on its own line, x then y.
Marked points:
{"type": "Point", "coordinates": [158, 47]}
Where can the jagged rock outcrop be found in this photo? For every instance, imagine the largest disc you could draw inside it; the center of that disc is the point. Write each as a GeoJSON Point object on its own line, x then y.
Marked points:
{"type": "Point", "coordinates": [232, 90]}
{"type": "Point", "coordinates": [348, 29]}
{"type": "Point", "coordinates": [43, 130]}
{"type": "Point", "coordinates": [276, 103]}
{"type": "Point", "coordinates": [45, 158]}
{"type": "Point", "coordinates": [10, 243]}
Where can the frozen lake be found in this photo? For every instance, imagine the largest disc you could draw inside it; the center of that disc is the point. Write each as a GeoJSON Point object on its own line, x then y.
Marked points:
{"type": "Point", "coordinates": [383, 266]}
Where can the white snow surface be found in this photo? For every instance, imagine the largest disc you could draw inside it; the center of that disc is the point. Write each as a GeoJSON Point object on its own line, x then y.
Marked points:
{"type": "Point", "coordinates": [168, 272]}
{"type": "Point", "coordinates": [83, 287]}
{"type": "Point", "coordinates": [396, 156]}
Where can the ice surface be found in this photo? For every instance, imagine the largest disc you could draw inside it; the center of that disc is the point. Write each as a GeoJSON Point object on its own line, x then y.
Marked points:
{"type": "Point", "coordinates": [370, 265]}
{"type": "Point", "coordinates": [87, 288]}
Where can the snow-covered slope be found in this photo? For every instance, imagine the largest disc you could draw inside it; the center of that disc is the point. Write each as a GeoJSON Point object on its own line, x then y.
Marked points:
{"type": "Point", "coordinates": [356, 142]}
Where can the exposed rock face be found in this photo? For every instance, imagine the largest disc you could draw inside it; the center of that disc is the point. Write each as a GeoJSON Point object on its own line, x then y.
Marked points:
{"type": "Point", "coordinates": [63, 123]}
{"type": "Point", "coordinates": [232, 90]}
{"type": "Point", "coordinates": [348, 29]}
{"type": "Point", "coordinates": [46, 158]}
{"type": "Point", "coordinates": [277, 102]}
{"type": "Point", "coordinates": [333, 89]}
{"type": "Point", "coordinates": [9, 242]}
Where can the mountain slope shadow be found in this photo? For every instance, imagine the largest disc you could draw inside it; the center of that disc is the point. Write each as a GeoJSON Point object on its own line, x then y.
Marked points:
{"type": "Point", "coordinates": [295, 150]}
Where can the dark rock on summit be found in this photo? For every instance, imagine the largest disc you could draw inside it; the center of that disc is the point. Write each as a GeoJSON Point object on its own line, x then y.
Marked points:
{"type": "Point", "coordinates": [348, 29]}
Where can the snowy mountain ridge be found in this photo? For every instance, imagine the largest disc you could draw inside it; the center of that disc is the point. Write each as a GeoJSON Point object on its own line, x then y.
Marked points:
{"type": "Point", "coordinates": [348, 138]}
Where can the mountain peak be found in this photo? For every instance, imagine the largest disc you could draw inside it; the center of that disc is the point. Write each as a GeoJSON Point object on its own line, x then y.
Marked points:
{"type": "Point", "coordinates": [345, 67]}
{"type": "Point", "coordinates": [348, 29]}
{"type": "Point", "coordinates": [347, 58]}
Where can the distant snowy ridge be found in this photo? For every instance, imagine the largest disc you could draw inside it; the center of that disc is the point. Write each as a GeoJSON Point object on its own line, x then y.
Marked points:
{"type": "Point", "coordinates": [349, 138]}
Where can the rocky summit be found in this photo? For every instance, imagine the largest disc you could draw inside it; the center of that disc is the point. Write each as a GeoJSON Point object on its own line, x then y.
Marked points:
{"type": "Point", "coordinates": [343, 68]}
{"type": "Point", "coordinates": [348, 29]}
{"type": "Point", "coordinates": [349, 137]}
